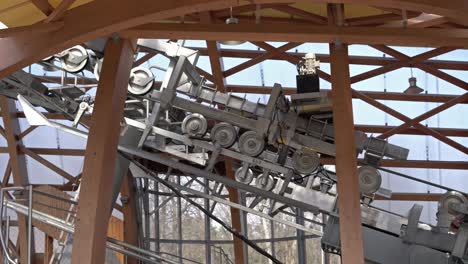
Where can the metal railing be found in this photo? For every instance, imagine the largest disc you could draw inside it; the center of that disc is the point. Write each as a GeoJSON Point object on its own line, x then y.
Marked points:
{"type": "Point", "coordinates": [220, 256]}
{"type": "Point", "coordinates": [63, 225]}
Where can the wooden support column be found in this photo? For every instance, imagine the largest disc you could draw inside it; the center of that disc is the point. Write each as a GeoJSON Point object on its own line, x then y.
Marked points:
{"type": "Point", "coordinates": [346, 160]}
{"type": "Point", "coordinates": [18, 167]}
{"type": "Point", "coordinates": [101, 154]}
{"type": "Point", "coordinates": [48, 248]}
{"type": "Point", "coordinates": [129, 211]}
{"type": "Point", "coordinates": [349, 205]}
{"type": "Point", "coordinates": [217, 69]}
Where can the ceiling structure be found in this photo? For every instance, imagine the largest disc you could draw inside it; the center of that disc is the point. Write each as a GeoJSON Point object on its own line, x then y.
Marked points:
{"type": "Point", "coordinates": [40, 28]}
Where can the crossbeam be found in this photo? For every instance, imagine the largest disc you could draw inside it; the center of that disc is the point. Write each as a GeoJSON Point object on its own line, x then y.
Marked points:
{"type": "Point", "coordinates": [305, 33]}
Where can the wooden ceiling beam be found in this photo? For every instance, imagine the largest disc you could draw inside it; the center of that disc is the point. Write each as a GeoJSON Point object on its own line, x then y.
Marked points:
{"type": "Point", "coordinates": [144, 59]}
{"type": "Point", "coordinates": [259, 59]}
{"type": "Point", "coordinates": [417, 164]}
{"type": "Point", "coordinates": [282, 55]}
{"type": "Point", "coordinates": [449, 132]}
{"type": "Point", "coordinates": [325, 58]}
{"type": "Point", "coordinates": [389, 96]}
{"type": "Point", "coordinates": [35, 29]}
{"type": "Point", "coordinates": [424, 116]}
{"type": "Point", "coordinates": [430, 22]}
{"type": "Point", "coordinates": [58, 12]}
{"type": "Point", "coordinates": [427, 68]}
{"type": "Point", "coordinates": [424, 197]}
{"type": "Point", "coordinates": [406, 61]}
{"type": "Point", "coordinates": [43, 5]}
{"type": "Point", "coordinates": [406, 119]}
{"type": "Point", "coordinates": [317, 19]}
{"type": "Point", "coordinates": [371, 20]}
{"type": "Point", "coordinates": [305, 33]}
{"type": "Point", "coordinates": [236, 10]}
{"type": "Point", "coordinates": [94, 22]}
{"type": "Point", "coordinates": [127, 14]}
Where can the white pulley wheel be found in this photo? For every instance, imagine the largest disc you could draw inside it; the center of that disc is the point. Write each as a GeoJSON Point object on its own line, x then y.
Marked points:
{"type": "Point", "coordinates": [251, 144]}
{"type": "Point", "coordinates": [194, 125]}
{"type": "Point", "coordinates": [244, 175]}
{"type": "Point", "coordinates": [97, 68]}
{"type": "Point", "coordinates": [224, 134]}
{"type": "Point", "coordinates": [141, 81]}
{"type": "Point", "coordinates": [449, 198]}
{"type": "Point", "coordinates": [74, 59]}
{"type": "Point", "coordinates": [265, 182]}
{"type": "Point", "coordinates": [306, 162]}
{"type": "Point", "coordinates": [369, 179]}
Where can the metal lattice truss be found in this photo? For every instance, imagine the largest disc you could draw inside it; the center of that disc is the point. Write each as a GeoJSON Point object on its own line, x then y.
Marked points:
{"type": "Point", "coordinates": [410, 23]}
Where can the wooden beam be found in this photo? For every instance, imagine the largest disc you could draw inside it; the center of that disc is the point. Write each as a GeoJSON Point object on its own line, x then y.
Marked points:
{"type": "Point", "coordinates": [448, 132]}
{"type": "Point", "coordinates": [47, 163]}
{"type": "Point", "coordinates": [126, 14]}
{"type": "Point", "coordinates": [408, 61]}
{"type": "Point", "coordinates": [15, 6]}
{"type": "Point", "coordinates": [94, 207]}
{"type": "Point", "coordinates": [424, 197]}
{"type": "Point", "coordinates": [304, 33]}
{"type": "Point", "coordinates": [27, 131]}
{"type": "Point", "coordinates": [129, 211]}
{"type": "Point", "coordinates": [59, 152]}
{"type": "Point", "coordinates": [325, 58]}
{"type": "Point", "coordinates": [144, 59]}
{"type": "Point", "coordinates": [317, 19]}
{"type": "Point", "coordinates": [371, 20]}
{"type": "Point", "coordinates": [30, 30]}
{"type": "Point", "coordinates": [18, 166]}
{"type": "Point", "coordinates": [58, 13]}
{"type": "Point", "coordinates": [417, 164]}
{"type": "Point", "coordinates": [388, 96]}
{"type": "Point", "coordinates": [6, 174]}
{"type": "Point", "coordinates": [404, 118]}
{"type": "Point", "coordinates": [259, 59]}
{"type": "Point", "coordinates": [236, 10]}
{"type": "Point", "coordinates": [48, 248]}
{"type": "Point", "coordinates": [349, 205]}
{"type": "Point", "coordinates": [43, 5]}
{"type": "Point", "coordinates": [272, 50]}
{"type": "Point", "coordinates": [217, 68]}
{"type": "Point", "coordinates": [236, 217]}
{"type": "Point", "coordinates": [217, 65]}
{"type": "Point", "coordinates": [427, 68]}
{"type": "Point", "coordinates": [424, 116]}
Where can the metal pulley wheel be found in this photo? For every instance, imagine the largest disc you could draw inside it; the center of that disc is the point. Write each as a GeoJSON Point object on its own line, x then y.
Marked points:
{"type": "Point", "coordinates": [224, 134]}
{"type": "Point", "coordinates": [306, 162]}
{"type": "Point", "coordinates": [74, 59]}
{"type": "Point", "coordinates": [265, 182]}
{"type": "Point", "coordinates": [250, 143]}
{"type": "Point", "coordinates": [141, 81]}
{"type": "Point", "coordinates": [369, 179]}
{"type": "Point", "coordinates": [244, 175]}
{"type": "Point", "coordinates": [97, 68]}
{"type": "Point", "coordinates": [448, 199]}
{"type": "Point", "coordinates": [194, 125]}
